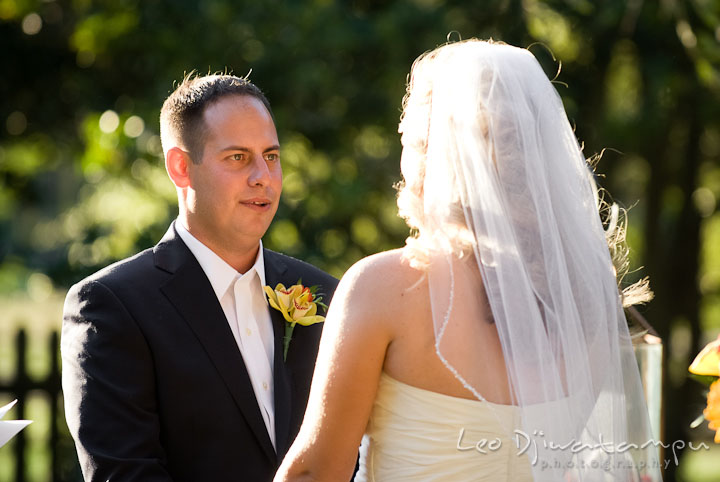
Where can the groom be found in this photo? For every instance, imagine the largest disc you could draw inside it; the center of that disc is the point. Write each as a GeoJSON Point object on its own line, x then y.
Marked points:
{"type": "Point", "coordinates": [172, 360]}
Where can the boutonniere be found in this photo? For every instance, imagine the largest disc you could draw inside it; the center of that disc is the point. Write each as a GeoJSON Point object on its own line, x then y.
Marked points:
{"type": "Point", "coordinates": [298, 304]}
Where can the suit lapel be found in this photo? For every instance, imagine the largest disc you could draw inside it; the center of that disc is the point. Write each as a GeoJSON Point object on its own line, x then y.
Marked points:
{"type": "Point", "coordinates": [276, 272]}
{"type": "Point", "coordinates": [190, 292]}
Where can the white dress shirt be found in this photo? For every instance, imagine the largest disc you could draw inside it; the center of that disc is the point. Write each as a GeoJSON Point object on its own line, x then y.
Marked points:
{"type": "Point", "coordinates": [243, 301]}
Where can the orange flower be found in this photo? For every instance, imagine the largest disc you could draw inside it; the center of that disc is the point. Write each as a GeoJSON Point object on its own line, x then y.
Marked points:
{"type": "Point", "coordinates": [712, 412]}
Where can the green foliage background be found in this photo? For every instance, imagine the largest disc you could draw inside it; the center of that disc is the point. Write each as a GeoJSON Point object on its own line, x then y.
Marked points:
{"type": "Point", "coordinates": [82, 182]}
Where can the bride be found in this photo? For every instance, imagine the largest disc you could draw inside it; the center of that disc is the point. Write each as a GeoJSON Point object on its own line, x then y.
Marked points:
{"type": "Point", "coordinates": [493, 346]}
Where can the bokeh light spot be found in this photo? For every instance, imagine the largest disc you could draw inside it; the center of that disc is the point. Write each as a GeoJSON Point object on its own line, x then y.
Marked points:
{"type": "Point", "coordinates": [109, 121]}
{"type": "Point", "coordinates": [365, 232]}
{"type": "Point", "coordinates": [134, 126]}
{"type": "Point", "coordinates": [16, 123]}
{"type": "Point", "coordinates": [705, 201]}
{"type": "Point", "coordinates": [285, 236]}
{"type": "Point", "coordinates": [31, 24]}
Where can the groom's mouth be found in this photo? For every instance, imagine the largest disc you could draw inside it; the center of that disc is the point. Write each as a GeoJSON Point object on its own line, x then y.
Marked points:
{"type": "Point", "coordinates": [257, 204]}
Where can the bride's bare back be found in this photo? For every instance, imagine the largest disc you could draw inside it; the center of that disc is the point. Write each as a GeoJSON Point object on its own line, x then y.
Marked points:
{"type": "Point", "coordinates": [380, 320]}
{"type": "Point", "coordinates": [470, 343]}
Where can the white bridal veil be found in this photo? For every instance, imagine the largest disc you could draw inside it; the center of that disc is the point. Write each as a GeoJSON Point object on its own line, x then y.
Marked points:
{"type": "Point", "coordinates": [510, 219]}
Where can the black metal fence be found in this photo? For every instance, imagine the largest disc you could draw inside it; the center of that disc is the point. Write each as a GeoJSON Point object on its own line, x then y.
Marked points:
{"type": "Point", "coordinates": [57, 446]}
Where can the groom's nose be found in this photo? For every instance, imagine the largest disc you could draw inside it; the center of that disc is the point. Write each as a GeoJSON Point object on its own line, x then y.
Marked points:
{"type": "Point", "coordinates": [260, 172]}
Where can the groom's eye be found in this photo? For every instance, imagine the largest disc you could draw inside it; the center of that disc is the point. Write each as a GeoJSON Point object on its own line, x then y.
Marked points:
{"type": "Point", "coordinates": [238, 157]}
{"type": "Point", "coordinates": [272, 157]}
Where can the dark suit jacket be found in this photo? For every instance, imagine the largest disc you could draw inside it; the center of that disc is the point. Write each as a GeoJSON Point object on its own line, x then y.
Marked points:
{"type": "Point", "coordinates": [155, 386]}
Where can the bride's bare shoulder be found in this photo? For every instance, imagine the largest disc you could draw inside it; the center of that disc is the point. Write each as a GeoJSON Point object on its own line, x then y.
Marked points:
{"type": "Point", "coordinates": [384, 279]}
{"type": "Point", "coordinates": [383, 269]}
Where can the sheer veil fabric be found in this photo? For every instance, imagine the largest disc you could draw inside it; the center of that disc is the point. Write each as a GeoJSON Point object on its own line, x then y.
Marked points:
{"type": "Point", "coordinates": [522, 286]}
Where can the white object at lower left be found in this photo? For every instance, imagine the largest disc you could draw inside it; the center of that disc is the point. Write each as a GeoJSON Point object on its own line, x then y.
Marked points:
{"type": "Point", "coordinates": [10, 428]}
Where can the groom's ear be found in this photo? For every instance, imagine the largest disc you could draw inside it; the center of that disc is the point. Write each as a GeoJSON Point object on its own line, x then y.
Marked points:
{"type": "Point", "coordinates": [176, 164]}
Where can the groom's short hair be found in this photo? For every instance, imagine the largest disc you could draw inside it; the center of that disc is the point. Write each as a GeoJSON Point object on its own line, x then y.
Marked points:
{"type": "Point", "coordinates": [181, 116]}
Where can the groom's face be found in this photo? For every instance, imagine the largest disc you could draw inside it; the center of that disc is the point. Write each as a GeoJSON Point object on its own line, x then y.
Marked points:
{"type": "Point", "coordinates": [235, 188]}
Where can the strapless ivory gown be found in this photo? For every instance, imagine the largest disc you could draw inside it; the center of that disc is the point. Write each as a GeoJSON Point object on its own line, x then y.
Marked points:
{"type": "Point", "coordinates": [413, 435]}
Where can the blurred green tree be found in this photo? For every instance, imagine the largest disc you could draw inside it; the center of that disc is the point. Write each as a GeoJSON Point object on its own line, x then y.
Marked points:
{"type": "Point", "coordinates": [82, 181]}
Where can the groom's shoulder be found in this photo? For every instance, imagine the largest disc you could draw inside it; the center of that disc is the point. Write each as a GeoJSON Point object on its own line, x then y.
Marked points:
{"type": "Point", "coordinates": [132, 270]}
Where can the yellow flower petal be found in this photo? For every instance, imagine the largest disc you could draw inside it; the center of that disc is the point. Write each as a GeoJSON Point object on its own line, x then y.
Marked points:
{"type": "Point", "coordinates": [305, 296]}
{"type": "Point", "coordinates": [275, 305]}
{"type": "Point", "coordinates": [310, 320]}
{"type": "Point", "coordinates": [708, 360]}
{"type": "Point", "coordinates": [299, 309]}
{"type": "Point", "coordinates": [295, 303]}
{"type": "Point", "coordinates": [272, 297]}
{"type": "Point", "coordinates": [284, 297]}
{"type": "Point", "coordinates": [275, 301]}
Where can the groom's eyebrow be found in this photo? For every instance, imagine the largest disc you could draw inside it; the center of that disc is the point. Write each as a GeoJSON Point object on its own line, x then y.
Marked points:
{"type": "Point", "coordinates": [274, 147]}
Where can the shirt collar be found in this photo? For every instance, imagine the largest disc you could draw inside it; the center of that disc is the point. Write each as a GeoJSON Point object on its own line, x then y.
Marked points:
{"type": "Point", "coordinates": [220, 274]}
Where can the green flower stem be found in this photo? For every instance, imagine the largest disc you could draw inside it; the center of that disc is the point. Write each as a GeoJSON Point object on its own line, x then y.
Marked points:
{"type": "Point", "coordinates": [289, 327]}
